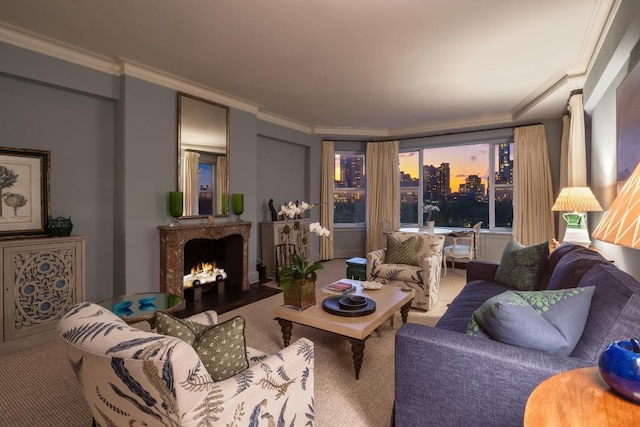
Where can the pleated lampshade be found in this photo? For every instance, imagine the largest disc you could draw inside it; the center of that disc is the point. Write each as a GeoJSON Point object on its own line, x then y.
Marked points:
{"type": "Point", "coordinates": [578, 199]}
{"type": "Point", "coordinates": [620, 225]}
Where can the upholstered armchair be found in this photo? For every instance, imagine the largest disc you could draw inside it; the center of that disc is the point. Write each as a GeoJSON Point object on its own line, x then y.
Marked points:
{"type": "Point", "coordinates": [133, 377]}
{"type": "Point", "coordinates": [410, 259]}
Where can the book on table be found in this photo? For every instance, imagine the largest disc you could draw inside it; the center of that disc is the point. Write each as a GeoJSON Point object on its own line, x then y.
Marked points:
{"type": "Point", "coordinates": [339, 288]}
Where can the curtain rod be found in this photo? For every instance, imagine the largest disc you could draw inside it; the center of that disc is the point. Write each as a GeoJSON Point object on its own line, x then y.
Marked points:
{"type": "Point", "coordinates": [408, 138]}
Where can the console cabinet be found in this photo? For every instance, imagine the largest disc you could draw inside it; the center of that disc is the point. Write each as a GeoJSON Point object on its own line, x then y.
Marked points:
{"type": "Point", "coordinates": [271, 235]}
{"type": "Point", "coordinates": [42, 278]}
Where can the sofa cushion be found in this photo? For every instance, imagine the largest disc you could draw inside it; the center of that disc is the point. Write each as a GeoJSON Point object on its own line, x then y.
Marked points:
{"type": "Point", "coordinates": [402, 252]}
{"type": "Point", "coordinates": [550, 321]}
{"type": "Point", "coordinates": [572, 267]}
{"type": "Point", "coordinates": [615, 310]}
{"type": "Point", "coordinates": [522, 267]}
{"type": "Point", "coordinates": [552, 262]}
{"type": "Point", "coordinates": [472, 296]}
{"type": "Point", "coordinates": [221, 347]}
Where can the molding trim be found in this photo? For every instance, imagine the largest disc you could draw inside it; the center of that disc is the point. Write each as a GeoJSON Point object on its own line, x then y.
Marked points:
{"type": "Point", "coordinates": [346, 131]}
{"type": "Point", "coordinates": [283, 121]}
{"type": "Point", "coordinates": [162, 78]}
{"type": "Point", "coordinates": [481, 121]}
{"type": "Point", "coordinates": [29, 40]}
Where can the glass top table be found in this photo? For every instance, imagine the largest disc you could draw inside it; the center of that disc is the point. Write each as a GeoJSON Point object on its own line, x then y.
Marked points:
{"type": "Point", "coordinates": [435, 230]}
{"type": "Point", "coordinates": [140, 307]}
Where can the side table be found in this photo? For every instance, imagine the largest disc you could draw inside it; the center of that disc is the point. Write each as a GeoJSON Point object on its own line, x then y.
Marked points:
{"type": "Point", "coordinates": [579, 397]}
{"type": "Point", "coordinates": [142, 307]}
{"type": "Point", "coordinates": [357, 268]}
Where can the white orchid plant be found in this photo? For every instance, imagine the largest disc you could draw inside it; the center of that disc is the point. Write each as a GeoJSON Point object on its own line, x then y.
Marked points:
{"type": "Point", "coordinates": [429, 209]}
{"type": "Point", "coordinates": [299, 268]}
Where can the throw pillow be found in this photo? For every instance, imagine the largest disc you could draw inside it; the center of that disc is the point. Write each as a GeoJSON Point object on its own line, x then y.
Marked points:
{"type": "Point", "coordinates": [550, 321]}
{"type": "Point", "coordinates": [399, 252]}
{"type": "Point", "coordinates": [221, 347]}
{"type": "Point", "coordinates": [573, 266]}
{"type": "Point", "coordinates": [522, 267]}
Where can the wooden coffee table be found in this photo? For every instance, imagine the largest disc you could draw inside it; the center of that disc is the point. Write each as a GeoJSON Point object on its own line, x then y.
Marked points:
{"type": "Point", "coordinates": [389, 299]}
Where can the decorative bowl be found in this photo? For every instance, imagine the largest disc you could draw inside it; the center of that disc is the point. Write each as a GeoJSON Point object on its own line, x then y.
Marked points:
{"type": "Point", "coordinates": [122, 305]}
{"type": "Point", "coordinates": [353, 302]}
{"type": "Point", "coordinates": [619, 366]}
{"type": "Point", "coordinates": [147, 300]}
{"type": "Point", "coordinates": [371, 285]}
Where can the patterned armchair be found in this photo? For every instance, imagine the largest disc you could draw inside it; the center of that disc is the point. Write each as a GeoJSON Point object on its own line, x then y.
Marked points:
{"type": "Point", "coordinates": [133, 377]}
{"type": "Point", "coordinates": [420, 271]}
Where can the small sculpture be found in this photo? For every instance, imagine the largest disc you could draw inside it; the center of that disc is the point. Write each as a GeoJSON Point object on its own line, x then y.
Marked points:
{"type": "Point", "coordinates": [274, 213]}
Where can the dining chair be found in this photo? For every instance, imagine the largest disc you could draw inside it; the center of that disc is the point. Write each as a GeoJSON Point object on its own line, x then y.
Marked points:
{"type": "Point", "coordinates": [463, 247]}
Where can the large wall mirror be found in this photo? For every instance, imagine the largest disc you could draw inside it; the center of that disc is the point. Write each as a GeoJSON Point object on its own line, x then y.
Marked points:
{"type": "Point", "coordinates": [203, 156]}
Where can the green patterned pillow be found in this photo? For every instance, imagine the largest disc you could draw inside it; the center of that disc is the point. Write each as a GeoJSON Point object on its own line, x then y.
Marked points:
{"type": "Point", "coordinates": [550, 321]}
{"type": "Point", "coordinates": [402, 252]}
{"type": "Point", "coordinates": [522, 267]}
{"type": "Point", "coordinates": [221, 347]}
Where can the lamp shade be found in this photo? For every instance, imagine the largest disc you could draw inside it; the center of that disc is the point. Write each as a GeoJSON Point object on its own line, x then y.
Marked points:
{"type": "Point", "coordinates": [579, 199]}
{"type": "Point", "coordinates": [621, 223]}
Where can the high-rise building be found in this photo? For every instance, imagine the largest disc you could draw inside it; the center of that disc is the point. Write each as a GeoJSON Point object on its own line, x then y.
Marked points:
{"type": "Point", "coordinates": [352, 171]}
{"type": "Point", "coordinates": [505, 166]}
{"type": "Point", "coordinates": [443, 179]}
{"type": "Point", "coordinates": [429, 181]}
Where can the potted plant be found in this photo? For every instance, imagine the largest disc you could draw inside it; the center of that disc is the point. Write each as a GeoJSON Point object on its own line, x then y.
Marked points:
{"type": "Point", "coordinates": [429, 209]}
{"type": "Point", "coordinates": [298, 280]}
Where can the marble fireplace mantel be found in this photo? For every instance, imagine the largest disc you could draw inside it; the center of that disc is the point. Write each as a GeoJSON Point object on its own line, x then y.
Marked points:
{"type": "Point", "coordinates": [172, 243]}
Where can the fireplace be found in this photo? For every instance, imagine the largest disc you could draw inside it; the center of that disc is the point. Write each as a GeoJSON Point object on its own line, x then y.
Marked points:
{"type": "Point", "coordinates": [183, 245]}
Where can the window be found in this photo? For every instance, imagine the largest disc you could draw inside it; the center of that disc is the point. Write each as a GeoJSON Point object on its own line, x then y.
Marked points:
{"type": "Point", "coordinates": [206, 179]}
{"type": "Point", "coordinates": [468, 183]}
{"type": "Point", "coordinates": [349, 189]}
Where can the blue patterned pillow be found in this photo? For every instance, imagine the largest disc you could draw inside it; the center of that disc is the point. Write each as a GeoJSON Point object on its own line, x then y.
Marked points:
{"type": "Point", "coordinates": [522, 267]}
{"type": "Point", "coordinates": [549, 321]}
{"type": "Point", "coordinates": [221, 347]}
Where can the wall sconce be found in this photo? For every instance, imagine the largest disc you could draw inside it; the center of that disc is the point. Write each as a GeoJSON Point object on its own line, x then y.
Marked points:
{"type": "Point", "coordinates": [620, 225]}
{"type": "Point", "coordinates": [576, 201]}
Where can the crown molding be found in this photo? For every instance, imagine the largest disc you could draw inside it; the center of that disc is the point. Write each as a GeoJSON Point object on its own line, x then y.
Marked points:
{"type": "Point", "coordinates": [171, 81]}
{"type": "Point", "coordinates": [348, 131]}
{"type": "Point", "coordinates": [476, 122]}
{"type": "Point", "coordinates": [29, 40]}
{"type": "Point", "coordinates": [284, 121]}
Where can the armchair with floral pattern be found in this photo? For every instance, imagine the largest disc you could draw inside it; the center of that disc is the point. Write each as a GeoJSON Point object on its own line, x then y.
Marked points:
{"type": "Point", "coordinates": [133, 377]}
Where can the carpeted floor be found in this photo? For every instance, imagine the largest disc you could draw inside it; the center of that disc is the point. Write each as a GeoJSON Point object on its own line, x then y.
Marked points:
{"type": "Point", "coordinates": [39, 389]}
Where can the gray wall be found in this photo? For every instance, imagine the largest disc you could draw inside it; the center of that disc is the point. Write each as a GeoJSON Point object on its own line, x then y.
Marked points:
{"type": "Point", "coordinates": [619, 53]}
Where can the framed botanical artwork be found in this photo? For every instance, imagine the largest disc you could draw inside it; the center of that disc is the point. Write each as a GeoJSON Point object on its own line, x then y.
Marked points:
{"type": "Point", "coordinates": [24, 192]}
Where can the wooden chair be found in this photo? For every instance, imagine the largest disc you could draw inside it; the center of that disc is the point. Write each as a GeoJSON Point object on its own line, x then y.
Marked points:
{"type": "Point", "coordinates": [284, 252]}
{"type": "Point", "coordinates": [463, 247]}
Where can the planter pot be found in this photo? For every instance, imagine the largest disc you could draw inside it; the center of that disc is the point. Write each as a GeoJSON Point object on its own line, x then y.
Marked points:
{"type": "Point", "coordinates": [431, 224]}
{"type": "Point", "coordinates": [301, 294]}
{"type": "Point", "coordinates": [619, 366]}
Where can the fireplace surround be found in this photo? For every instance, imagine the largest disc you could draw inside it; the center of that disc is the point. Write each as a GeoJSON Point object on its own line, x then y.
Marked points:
{"type": "Point", "coordinates": [172, 245]}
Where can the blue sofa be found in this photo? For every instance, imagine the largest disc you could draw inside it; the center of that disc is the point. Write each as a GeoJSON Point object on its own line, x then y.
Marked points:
{"type": "Point", "coordinates": [444, 377]}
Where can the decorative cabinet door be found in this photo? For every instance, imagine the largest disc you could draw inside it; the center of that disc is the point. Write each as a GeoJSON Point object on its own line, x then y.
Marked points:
{"type": "Point", "coordinates": [42, 279]}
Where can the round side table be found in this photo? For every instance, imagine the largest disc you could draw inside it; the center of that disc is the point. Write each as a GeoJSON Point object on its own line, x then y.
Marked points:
{"type": "Point", "coordinates": [578, 398]}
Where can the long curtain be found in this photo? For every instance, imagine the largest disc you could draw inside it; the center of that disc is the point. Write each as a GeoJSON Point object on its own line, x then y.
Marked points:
{"type": "Point", "coordinates": [383, 190]}
{"type": "Point", "coordinates": [190, 180]}
{"type": "Point", "coordinates": [221, 185]}
{"type": "Point", "coordinates": [326, 198]}
{"type": "Point", "coordinates": [532, 188]}
{"type": "Point", "coordinates": [573, 155]}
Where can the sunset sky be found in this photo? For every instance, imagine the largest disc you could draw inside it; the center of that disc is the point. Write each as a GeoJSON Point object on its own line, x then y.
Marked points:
{"type": "Point", "coordinates": [463, 161]}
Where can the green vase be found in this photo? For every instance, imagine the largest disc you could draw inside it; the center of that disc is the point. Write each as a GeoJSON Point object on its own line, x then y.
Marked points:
{"type": "Point", "coordinates": [301, 294]}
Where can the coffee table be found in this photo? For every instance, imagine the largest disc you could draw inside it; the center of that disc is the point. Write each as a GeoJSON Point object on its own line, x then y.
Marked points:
{"type": "Point", "coordinates": [389, 299]}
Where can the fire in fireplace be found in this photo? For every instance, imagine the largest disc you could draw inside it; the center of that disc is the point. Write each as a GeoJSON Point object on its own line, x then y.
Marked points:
{"type": "Point", "coordinates": [204, 273]}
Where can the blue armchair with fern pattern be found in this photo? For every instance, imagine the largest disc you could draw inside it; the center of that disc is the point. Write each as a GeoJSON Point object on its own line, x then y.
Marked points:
{"type": "Point", "coordinates": [133, 377]}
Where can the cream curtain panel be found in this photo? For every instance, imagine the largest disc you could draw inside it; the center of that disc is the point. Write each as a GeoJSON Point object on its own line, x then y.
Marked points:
{"type": "Point", "coordinates": [383, 191]}
{"type": "Point", "coordinates": [532, 189]}
{"type": "Point", "coordinates": [221, 184]}
{"type": "Point", "coordinates": [190, 180]}
{"type": "Point", "coordinates": [573, 155]}
{"type": "Point", "coordinates": [326, 198]}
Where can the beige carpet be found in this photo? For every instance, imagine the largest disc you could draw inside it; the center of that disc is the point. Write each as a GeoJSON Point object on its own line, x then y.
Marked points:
{"type": "Point", "coordinates": [38, 387]}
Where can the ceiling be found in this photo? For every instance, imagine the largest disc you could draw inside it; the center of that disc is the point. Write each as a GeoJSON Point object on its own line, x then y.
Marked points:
{"type": "Point", "coordinates": [349, 67]}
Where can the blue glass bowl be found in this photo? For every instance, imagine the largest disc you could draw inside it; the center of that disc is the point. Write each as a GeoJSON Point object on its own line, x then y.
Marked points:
{"type": "Point", "coordinates": [619, 366]}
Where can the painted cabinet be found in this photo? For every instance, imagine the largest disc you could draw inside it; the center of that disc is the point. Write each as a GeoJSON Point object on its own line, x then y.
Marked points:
{"type": "Point", "coordinates": [42, 278]}
{"type": "Point", "coordinates": [271, 234]}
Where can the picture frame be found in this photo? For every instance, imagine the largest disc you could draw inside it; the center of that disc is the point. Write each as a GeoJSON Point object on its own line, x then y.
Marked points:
{"type": "Point", "coordinates": [24, 192]}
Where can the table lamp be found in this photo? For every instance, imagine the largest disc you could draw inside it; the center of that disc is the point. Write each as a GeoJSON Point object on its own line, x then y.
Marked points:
{"type": "Point", "coordinates": [576, 201]}
{"type": "Point", "coordinates": [621, 223]}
